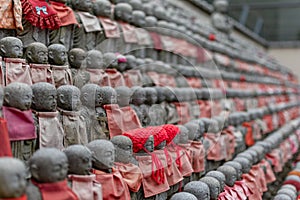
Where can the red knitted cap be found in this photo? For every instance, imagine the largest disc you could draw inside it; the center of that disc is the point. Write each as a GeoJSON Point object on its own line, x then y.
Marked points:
{"type": "Point", "coordinates": [171, 131]}
{"type": "Point", "coordinates": [159, 134]}
{"type": "Point", "coordinates": [138, 137]}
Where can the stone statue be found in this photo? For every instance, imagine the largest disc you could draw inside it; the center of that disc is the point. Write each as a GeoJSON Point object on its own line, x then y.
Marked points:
{"type": "Point", "coordinates": [82, 182]}
{"type": "Point", "coordinates": [183, 195]}
{"type": "Point", "coordinates": [199, 189]}
{"type": "Point", "coordinates": [37, 56]}
{"type": "Point", "coordinates": [91, 98]}
{"type": "Point", "coordinates": [49, 168]}
{"type": "Point", "coordinates": [13, 179]}
{"type": "Point", "coordinates": [132, 75]}
{"type": "Point", "coordinates": [282, 197]}
{"type": "Point", "coordinates": [103, 161]}
{"type": "Point", "coordinates": [219, 18]}
{"type": "Point", "coordinates": [57, 57]}
{"type": "Point", "coordinates": [13, 67]}
{"type": "Point", "coordinates": [69, 104]}
{"type": "Point", "coordinates": [288, 192]}
{"type": "Point", "coordinates": [124, 152]}
{"type": "Point", "coordinates": [19, 117]}
{"type": "Point", "coordinates": [214, 186]}
{"type": "Point", "coordinates": [79, 76]}
{"type": "Point", "coordinates": [49, 129]}
{"type": "Point", "coordinates": [95, 68]}
{"type": "Point", "coordinates": [112, 70]}
{"type": "Point", "coordinates": [84, 35]}
{"type": "Point", "coordinates": [138, 99]}
{"type": "Point", "coordinates": [219, 176]}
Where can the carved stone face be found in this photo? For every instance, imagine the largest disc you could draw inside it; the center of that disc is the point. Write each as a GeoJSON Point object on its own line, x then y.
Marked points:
{"type": "Point", "coordinates": [11, 47]}
{"type": "Point", "coordinates": [76, 57]}
{"type": "Point", "coordinates": [199, 189]}
{"type": "Point", "coordinates": [138, 18]}
{"type": "Point", "coordinates": [82, 5]}
{"type": "Point", "coordinates": [123, 147]}
{"type": "Point", "coordinates": [109, 95]}
{"type": "Point", "coordinates": [37, 53]}
{"type": "Point", "coordinates": [183, 135]}
{"type": "Point", "coordinates": [221, 5]}
{"type": "Point", "coordinates": [151, 96]}
{"type": "Point", "coordinates": [57, 54]}
{"type": "Point", "coordinates": [150, 21]}
{"type": "Point", "coordinates": [13, 174]}
{"type": "Point", "coordinates": [44, 97]}
{"type": "Point", "coordinates": [102, 8]}
{"type": "Point", "coordinates": [123, 96]}
{"type": "Point", "coordinates": [161, 145]}
{"type": "Point", "coordinates": [123, 11]}
{"type": "Point", "coordinates": [68, 98]}
{"type": "Point", "coordinates": [18, 95]}
{"type": "Point", "coordinates": [94, 59]}
{"type": "Point", "coordinates": [149, 145]}
{"type": "Point", "coordinates": [138, 97]}
{"type": "Point", "coordinates": [110, 60]}
{"type": "Point", "coordinates": [103, 154]}
{"type": "Point", "coordinates": [230, 174]}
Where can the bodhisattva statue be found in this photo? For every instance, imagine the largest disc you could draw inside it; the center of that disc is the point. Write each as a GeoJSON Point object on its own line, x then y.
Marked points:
{"type": "Point", "coordinates": [80, 178]}
{"type": "Point", "coordinates": [37, 56]}
{"type": "Point", "coordinates": [69, 104]}
{"type": "Point", "coordinates": [199, 189]}
{"type": "Point", "coordinates": [103, 152]}
{"type": "Point", "coordinates": [13, 179]}
{"type": "Point", "coordinates": [58, 58]}
{"type": "Point", "coordinates": [220, 20]}
{"type": "Point", "coordinates": [132, 75]}
{"type": "Point", "coordinates": [13, 67]}
{"type": "Point", "coordinates": [184, 195]}
{"type": "Point", "coordinates": [137, 102]}
{"type": "Point", "coordinates": [49, 169]}
{"type": "Point", "coordinates": [214, 186]}
{"type": "Point", "coordinates": [112, 70]}
{"type": "Point", "coordinates": [19, 117]}
{"type": "Point", "coordinates": [48, 126]}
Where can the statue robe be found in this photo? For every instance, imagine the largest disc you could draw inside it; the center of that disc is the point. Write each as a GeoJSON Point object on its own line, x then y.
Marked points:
{"type": "Point", "coordinates": [133, 78]}
{"type": "Point", "coordinates": [41, 73]}
{"type": "Point", "coordinates": [197, 156]}
{"type": "Point", "coordinates": [115, 78]}
{"type": "Point", "coordinates": [62, 75]}
{"type": "Point", "coordinates": [16, 70]}
{"type": "Point", "coordinates": [98, 76]}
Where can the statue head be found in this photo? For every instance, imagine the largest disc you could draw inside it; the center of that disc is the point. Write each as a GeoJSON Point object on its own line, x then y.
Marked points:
{"type": "Point", "coordinates": [110, 60]}
{"type": "Point", "coordinates": [123, 146]}
{"type": "Point", "coordinates": [48, 165]}
{"type": "Point", "coordinates": [183, 136]}
{"type": "Point", "coordinates": [103, 154]}
{"type": "Point", "coordinates": [230, 174]}
{"type": "Point", "coordinates": [94, 59]}
{"type": "Point", "coordinates": [138, 96]}
{"type": "Point", "coordinates": [288, 192]}
{"type": "Point", "coordinates": [219, 176]}
{"type": "Point", "coordinates": [151, 95]}
{"type": "Point", "coordinates": [76, 57]}
{"type": "Point", "coordinates": [57, 54]}
{"type": "Point", "coordinates": [221, 5]}
{"type": "Point", "coordinates": [237, 166]}
{"type": "Point", "coordinates": [68, 98]}
{"type": "Point", "coordinates": [18, 95]}
{"type": "Point", "coordinates": [131, 62]}
{"type": "Point", "coordinates": [138, 18]}
{"type": "Point", "coordinates": [82, 5]}
{"type": "Point", "coordinates": [44, 97]}
{"type": "Point", "coordinates": [245, 163]}
{"type": "Point", "coordinates": [11, 47]}
{"type": "Point", "coordinates": [91, 96]}
{"type": "Point", "coordinates": [149, 145]}
{"type": "Point", "coordinates": [183, 195]}
{"type": "Point", "coordinates": [123, 96]}
{"type": "Point", "coordinates": [37, 53]}
{"type": "Point", "coordinates": [123, 12]}
{"type": "Point", "coordinates": [12, 178]}
{"type": "Point", "coordinates": [79, 158]}
{"type": "Point", "coordinates": [160, 94]}
{"type": "Point", "coordinates": [102, 8]}
{"type": "Point", "coordinates": [214, 186]}
{"type": "Point", "coordinates": [199, 189]}
{"type": "Point", "coordinates": [150, 21]}
{"type": "Point", "coordinates": [193, 128]}
{"type": "Point", "coordinates": [136, 4]}
{"type": "Point", "coordinates": [282, 197]}
{"type": "Point", "coordinates": [109, 95]}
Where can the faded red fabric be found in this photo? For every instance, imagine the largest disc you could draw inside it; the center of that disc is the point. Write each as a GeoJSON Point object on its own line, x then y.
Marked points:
{"type": "Point", "coordinates": [166, 80]}
{"type": "Point", "coordinates": [64, 13]}
{"type": "Point", "coordinates": [51, 133]}
{"type": "Point", "coordinates": [205, 109]}
{"type": "Point", "coordinates": [215, 148]}
{"type": "Point", "coordinates": [154, 77]}
{"type": "Point", "coordinates": [115, 78]}
{"type": "Point", "coordinates": [251, 183]}
{"type": "Point", "coordinates": [225, 196]}
{"type": "Point", "coordinates": [17, 71]}
{"type": "Point", "coordinates": [98, 76]}
{"type": "Point", "coordinates": [239, 103]}
{"type": "Point", "coordinates": [40, 14]}
{"type": "Point", "coordinates": [258, 173]}
{"type": "Point", "coordinates": [41, 73]}
{"type": "Point", "coordinates": [270, 176]}
{"type": "Point", "coordinates": [230, 192]}
{"type": "Point", "coordinates": [150, 186]}
{"type": "Point", "coordinates": [121, 119]}
{"type": "Point", "coordinates": [90, 22]}
{"type": "Point", "coordinates": [156, 40]}
{"type": "Point", "coordinates": [183, 111]}
{"type": "Point", "coordinates": [86, 187]}
{"type": "Point", "coordinates": [114, 187]}
{"type": "Point", "coordinates": [268, 120]}
{"type": "Point", "coordinates": [132, 175]}
{"type": "Point", "coordinates": [133, 78]}
{"type": "Point", "coordinates": [182, 154]}
{"type": "Point", "coordinates": [197, 156]}
{"type": "Point", "coordinates": [241, 187]}
{"type": "Point", "coordinates": [216, 107]}
{"type": "Point", "coordinates": [20, 124]}
{"type": "Point", "coordinates": [194, 82]}
{"type": "Point", "coordinates": [128, 32]}
{"type": "Point", "coordinates": [200, 55]}
{"type": "Point", "coordinates": [275, 158]}
{"type": "Point", "coordinates": [24, 197]}
{"type": "Point", "coordinates": [294, 183]}
{"type": "Point", "coordinates": [173, 174]}
{"type": "Point", "coordinates": [111, 28]}
{"type": "Point", "coordinates": [58, 190]}
{"type": "Point", "coordinates": [143, 36]}
{"type": "Point", "coordinates": [62, 75]}
{"type": "Point", "coordinates": [249, 140]}
{"type": "Point", "coordinates": [230, 142]}
{"type": "Point", "coordinates": [5, 148]}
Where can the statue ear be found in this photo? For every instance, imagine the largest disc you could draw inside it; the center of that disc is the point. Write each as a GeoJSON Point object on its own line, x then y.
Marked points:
{"type": "Point", "coordinates": [71, 58]}
{"type": "Point", "coordinates": [2, 49]}
{"type": "Point", "coordinates": [61, 98]}
{"type": "Point", "coordinates": [34, 171]}
{"type": "Point", "coordinates": [29, 55]}
{"type": "Point", "coordinates": [50, 55]}
{"type": "Point", "coordinates": [6, 97]}
{"type": "Point", "coordinates": [88, 60]}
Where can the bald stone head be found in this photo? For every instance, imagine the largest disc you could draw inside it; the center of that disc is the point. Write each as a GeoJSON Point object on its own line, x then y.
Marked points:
{"type": "Point", "coordinates": [123, 96]}
{"type": "Point", "coordinates": [282, 197]}
{"type": "Point", "coordinates": [288, 192]}
{"type": "Point", "coordinates": [219, 176]}
{"type": "Point", "coordinates": [230, 174]}
{"type": "Point", "coordinates": [68, 98]}
{"type": "Point", "coordinates": [237, 166]}
{"type": "Point", "coordinates": [151, 95]}
{"type": "Point", "coordinates": [82, 5]}
{"type": "Point", "coordinates": [37, 53]}
{"type": "Point", "coordinates": [44, 97]}
{"type": "Point", "coordinates": [123, 12]}
{"type": "Point", "coordinates": [199, 189]}
{"type": "Point", "coordinates": [109, 95]}
{"type": "Point", "coordinates": [102, 8]}
{"type": "Point", "coordinates": [90, 95]}
{"type": "Point", "coordinates": [57, 54]}
{"type": "Point", "coordinates": [138, 18]}
{"type": "Point", "coordinates": [221, 5]}
{"type": "Point", "coordinates": [183, 195]}
{"type": "Point", "coordinates": [214, 186]}
{"type": "Point", "coordinates": [193, 129]}
{"type": "Point", "coordinates": [76, 56]}
{"type": "Point", "coordinates": [123, 145]}
{"type": "Point", "coordinates": [12, 178]}
{"type": "Point", "coordinates": [183, 136]}
{"type": "Point", "coordinates": [110, 60]}
{"type": "Point", "coordinates": [94, 60]}
{"type": "Point", "coordinates": [48, 165]}
{"type": "Point", "coordinates": [245, 163]}
{"type": "Point", "coordinates": [11, 47]}
{"type": "Point", "coordinates": [138, 96]}
{"type": "Point", "coordinates": [18, 95]}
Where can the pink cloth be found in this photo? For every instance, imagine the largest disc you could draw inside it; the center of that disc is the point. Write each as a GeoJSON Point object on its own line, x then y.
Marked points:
{"type": "Point", "coordinates": [17, 71]}
{"type": "Point", "coordinates": [98, 76]}
{"type": "Point", "coordinates": [128, 32]}
{"type": "Point", "coordinates": [86, 187]}
{"type": "Point", "coordinates": [133, 78]}
{"type": "Point", "coordinates": [115, 78]}
{"type": "Point", "coordinates": [270, 176]}
{"type": "Point", "coordinates": [156, 41]}
{"type": "Point", "coordinates": [166, 80]}
{"type": "Point", "coordinates": [183, 111]}
{"type": "Point", "coordinates": [194, 82]}
{"type": "Point", "coordinates": [41, 73]}
{"type": "Point", "coordinates": [143, 36]}
{"type": "Point", "coordinates": [216, 146]}
{"type": "Point", "coordinates": [111, 28]}
{"type": "Point", "coordinates": [251, 183]}
{"type": "Point", "coordinates": [90, 22]}
{"type": "Point", "coordinates": [20, 124]}
{"type": "Point", "coordinates": [197, 156]}
{"type": "Point", "coordinates": [205, 108]}
{"type": "Point", "coordinates": [62, 75]}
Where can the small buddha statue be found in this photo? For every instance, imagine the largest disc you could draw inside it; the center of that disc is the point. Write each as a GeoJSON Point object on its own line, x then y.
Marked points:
{"type": "Point", "coordinates": [13, 67]}
{"type": "Point", "coordinates": [91, 98]}
{"type": "Point", "coordinates": [112, 70]}
{"type": "Point", "coordinates": [138, 99]}
{"type": "Point", "coordinates": [103, 152]}
{"type": "Point", "coordinates": [69, 104]}
{"type": "Point", "coordinates": [20, 123]}
{"type": "Point", "coordinates": [48, 126]}
{"type": "Point", "coordinates": [76, 57]}
{"type": "Point", "coordinates": [199, 189]}
{"type": "Point", "coordinates": [37, 56]}
{"type": "Point", "coordinates": [132, 75]}
{"type": "Point", "coordinates": [214, 186]}
{"type": "Point", "coordinates": [124, 152]}
{"type": "Point", "coordinates": [49, 168]}
{"type": "Point", "coordinates": [13, 179]}
{"type": "Point", "coordinates": [57, 57]}
{"type": "Point", "coordinates": [219, 18]}
{"type": "Point", "coordinates": [81, 180]}
{"type": "Point", "coordinates": [219, 176]}
{"type": "Point", "coordinates": [183, 195]}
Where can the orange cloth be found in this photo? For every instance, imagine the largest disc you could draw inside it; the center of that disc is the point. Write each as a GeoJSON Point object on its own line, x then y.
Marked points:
{"type": "Point", "coordinates": [297, 173]}
{"type": "Point", "coordinates": [249, 140]}
{"type": "Point", "coordinates": [11, 12]}
{"type": "Point", "coordinates": [17, 71]}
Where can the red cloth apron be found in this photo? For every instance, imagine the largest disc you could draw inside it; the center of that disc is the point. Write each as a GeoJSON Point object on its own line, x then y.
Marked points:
{"type": "Point", "coordinates": [198, 156]}
{"type": "Point", "coordinates": [253, 187]}
{"type": "Point", "coordinates": [156, 40]}
{"type": "Point", "coordinates": [205, 109]}
{"type": "Point", "coordinates": [62, 75]}
{"type": "Point", "coordinates": [166, 80]}
{"type": "Point", "coordinates": [128, 32]}
{"type": "Point", "coordinates": [20, 124]}
{"type": "Point", "coordinates": [114, 187]}
{"type": "Point", "coordinates": [133, 78]}
{"type": "Point", "coordinates": [24, 197]}
{"type": "Point", "coordinates": [270, 176]}
{"type": "Point", "coordinates": [216, 146]}
{"type": "Point", "coordinates": [183, 111]}
{"type": "Point", "coordinates": [182, 155]}
{"type": "Point", "coordinates": [17, 71]}
{"type": "Point", "coordinates": [230, 142]}
{"type": "Point", "coordinates": [86, 187]}
{"type": "Point", "coordinates": [98, 76]}
{"type": "Point", "coordinates": [59, 190]}
{"type": "Point", "coordinates": [115, 78]}
{"type": "Point", "coordinates": [249, 140]}
{"type": "Point", "coordinates": [41, 73]}
{"type": "Point", "coordinates": [225, 196]}
{"type": "Point", "coordinates": [64, 13]}
{"type": "Point", "coordinates": [5, 148]}
{"type": "Point", "coordinates": [111, 28]}
{"type": "Point", "coordinates": [258, 173]}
